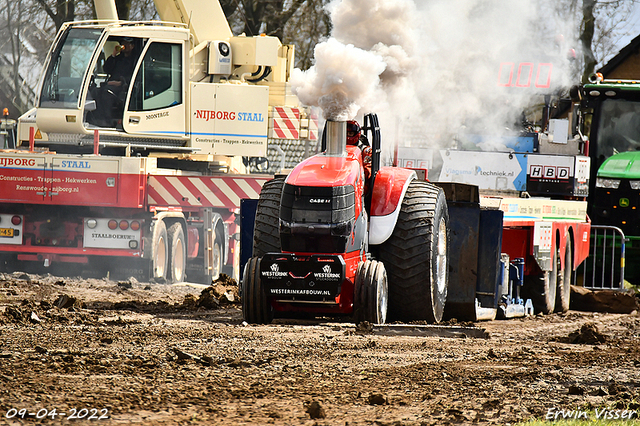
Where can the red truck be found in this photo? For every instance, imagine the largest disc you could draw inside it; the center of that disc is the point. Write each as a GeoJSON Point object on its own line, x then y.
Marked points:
{"type": "Point", "coordinates": [150, 182]}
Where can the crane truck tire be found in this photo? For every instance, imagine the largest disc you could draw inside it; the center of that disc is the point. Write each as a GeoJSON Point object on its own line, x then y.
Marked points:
{"type": "Point", "coordinates": [217, 257]}
{"type": "Point", "coordinates": [159, 252]}
{"type": "Point", "coordinates": [255, 305]}
{"type": "Point", "coordinates": [416, 255]}
{"type": "Point", "coordinates": [563, 293]}
{"type": "Point", "coordinates": [177, 253]}
{"type": "Point", "coordinates": [541, 288]}
{"type": "Point", "coordinates": [371, 293]}
{"type": "Point", "coordinates": [266, 234]}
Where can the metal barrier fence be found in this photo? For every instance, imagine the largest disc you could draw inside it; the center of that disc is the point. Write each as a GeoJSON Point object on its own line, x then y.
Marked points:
{"type": "Point", "coordinates": [604, 268]}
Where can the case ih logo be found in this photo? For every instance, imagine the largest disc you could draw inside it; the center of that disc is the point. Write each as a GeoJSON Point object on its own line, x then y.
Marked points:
{"type": "Point", "coordinates": [319, 201]}
{"type": "Point", "coordinates": [549, 172]}
{"type": "Point", "coordinates": [25, 162]}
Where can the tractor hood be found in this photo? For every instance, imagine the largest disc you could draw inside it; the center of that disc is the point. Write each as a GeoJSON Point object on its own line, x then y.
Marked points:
{"type": "Point", "coordinates": [623, 165]}
{"type": "Point", "coordinates": [323, 170]}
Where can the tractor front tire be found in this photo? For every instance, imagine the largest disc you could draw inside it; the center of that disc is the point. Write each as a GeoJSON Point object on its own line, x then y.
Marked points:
{"type": "Point", "coordinates": [256, 308]}
{"type": "Point", "coordinates": [371, 293]}
{"type": "Point", "coordinates": [266, 234]}
{"type": "Point", "coordinates": [416, 256]}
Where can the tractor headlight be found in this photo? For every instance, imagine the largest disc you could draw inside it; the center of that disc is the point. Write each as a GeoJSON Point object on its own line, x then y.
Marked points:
{"type": "Point", "coordinates": [607, 183]}
{"type": "Point", "coordinates": [635, 184]}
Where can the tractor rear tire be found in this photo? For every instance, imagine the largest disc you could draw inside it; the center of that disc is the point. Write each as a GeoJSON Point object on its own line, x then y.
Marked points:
{"type": "Point", "coordinates": [563, 293]}
{"type": "Point", "coordinates": [541, 288]}
{"type": "Point", "coordinates": [256, 308]}
{"type": "Point", "coordinates": [266, 234]}
{"type": "Point", "coordinates": [371, 293]}
{"type": "Point", "coordinates": [416, 256]}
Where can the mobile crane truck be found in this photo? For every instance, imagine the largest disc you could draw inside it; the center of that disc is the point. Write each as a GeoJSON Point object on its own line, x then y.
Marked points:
{"type": "Point", "coordinates": [146, 179]}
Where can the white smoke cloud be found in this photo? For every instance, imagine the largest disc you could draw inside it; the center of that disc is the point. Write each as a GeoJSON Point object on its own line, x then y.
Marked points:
{"type": "Point", "coordinates": [437, 65]}
{"type": "Point", "coordinates": [336, 86]}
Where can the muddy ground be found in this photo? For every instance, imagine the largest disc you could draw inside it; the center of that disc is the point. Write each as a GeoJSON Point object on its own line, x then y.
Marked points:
{"type": "Point", "coordinates": [155, 354]}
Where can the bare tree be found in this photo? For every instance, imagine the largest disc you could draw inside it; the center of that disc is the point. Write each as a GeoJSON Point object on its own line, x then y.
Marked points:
{"type": "Point", "coordinates": [59, 11]}
{"type": "Point", "coordinates": [310, 25]}
{"type": "Point", "coordinates": [300, 22]}
{"type": "Point", "coordinates": [15, 49]}
{"type": "Point", "coordinates": [124, 8]}
{"type": "Point", "coordinates": [586, 38]}
{"type": "Point", "coordinates": [602, 25]}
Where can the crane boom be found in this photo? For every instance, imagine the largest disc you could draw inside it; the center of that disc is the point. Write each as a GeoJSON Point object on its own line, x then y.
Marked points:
{"type": "Point", "coordinates": [106, 10]}
{"type": "Point", "coordinates": [205, 18]}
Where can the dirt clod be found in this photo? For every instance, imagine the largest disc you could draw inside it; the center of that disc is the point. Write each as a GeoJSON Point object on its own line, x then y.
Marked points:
{"type": "Point", "coordinates": [588, 334]}
{"type": "Point", "coordinates": [315, 410]}
{"type": "Point", "coordinates": [377, 399]}
{"type": "Point", "coordinates": [364, 327]}
{"type": "Point", "coordinates": [65, 302]}
{"type": "Point", "coordinates": [576, 390]}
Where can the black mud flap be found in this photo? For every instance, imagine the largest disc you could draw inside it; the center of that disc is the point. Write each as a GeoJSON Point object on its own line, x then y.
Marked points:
{"type": "Point", "coordinates": [286, 276]}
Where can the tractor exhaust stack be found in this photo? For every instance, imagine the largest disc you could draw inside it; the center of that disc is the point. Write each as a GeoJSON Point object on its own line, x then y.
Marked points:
{"type": "Point", "coordinates": [336, 137]}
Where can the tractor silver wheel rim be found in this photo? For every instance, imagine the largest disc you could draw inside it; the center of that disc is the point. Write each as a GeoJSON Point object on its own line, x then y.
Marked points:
{"type": "Point", "coordinates": [441, 260]}
{"type": "Point", "coordinates": [382, 299]}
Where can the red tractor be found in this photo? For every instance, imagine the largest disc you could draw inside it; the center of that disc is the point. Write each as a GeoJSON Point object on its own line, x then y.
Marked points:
{"type": "Point", "coordinates": [340, 236]}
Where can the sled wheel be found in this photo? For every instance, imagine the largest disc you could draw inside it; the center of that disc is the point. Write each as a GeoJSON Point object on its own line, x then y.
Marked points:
{"type": "Point", "coordinates": [563, 293]}
{"type": "Point", "coordinates": [541, 288]}
{"type": "Point", "coordinates": [416, 255]}
{"type": "Point", "coordinates": [160, 253]}
{"type": "Point", "coordinates": [371, 293]}
{"type": "Point", "coordinates": [177, 253]}
{"type": "Point", "coordinates": [256, 308]}
{"type": "Point", "coordinates": [266, 234]}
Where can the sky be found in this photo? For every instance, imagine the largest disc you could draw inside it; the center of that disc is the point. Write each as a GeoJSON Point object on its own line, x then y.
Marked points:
{"type": "Point", "coordinates": [632, 30]}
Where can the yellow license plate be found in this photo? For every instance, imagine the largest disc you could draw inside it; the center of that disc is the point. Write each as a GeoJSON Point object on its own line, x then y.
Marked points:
{"type": "Point", "coordinates": [6, 232]}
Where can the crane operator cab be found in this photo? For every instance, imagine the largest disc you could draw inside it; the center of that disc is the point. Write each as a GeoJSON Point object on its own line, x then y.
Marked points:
{"type": "Point", "coordinates": [110, 81]}
{"type": "Point", "coordinates": [118, 79]}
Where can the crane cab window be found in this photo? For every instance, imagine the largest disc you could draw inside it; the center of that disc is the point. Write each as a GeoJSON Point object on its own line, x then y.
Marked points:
{"type": "Point", "coordinates": [158, 83]}
{"type": "Point", "coordinates": [67, 67]}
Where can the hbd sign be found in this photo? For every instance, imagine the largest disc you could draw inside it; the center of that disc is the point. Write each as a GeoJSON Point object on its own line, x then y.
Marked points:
{"type": "Point", "coordinates": [549, 172]}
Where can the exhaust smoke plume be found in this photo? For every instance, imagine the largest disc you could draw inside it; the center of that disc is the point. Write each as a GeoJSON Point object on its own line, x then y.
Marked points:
{"type": "Point", "coordinates": [440, 66]}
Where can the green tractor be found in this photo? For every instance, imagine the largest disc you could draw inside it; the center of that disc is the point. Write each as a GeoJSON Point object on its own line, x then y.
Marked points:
{"type": "Point", "coordinates": [610, 122]}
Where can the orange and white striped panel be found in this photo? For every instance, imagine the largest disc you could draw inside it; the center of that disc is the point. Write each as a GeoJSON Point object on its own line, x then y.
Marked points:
{"type": "Point", "coordinates": [285, 123]}
{"type": "Point", "coordinates": [202, 191]}
{"type": "Point", "coordinates": [313, 126]}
